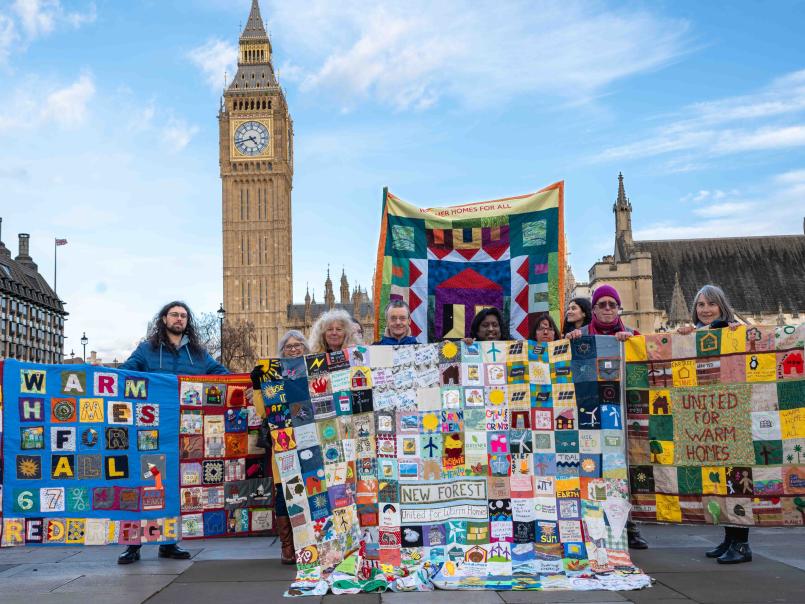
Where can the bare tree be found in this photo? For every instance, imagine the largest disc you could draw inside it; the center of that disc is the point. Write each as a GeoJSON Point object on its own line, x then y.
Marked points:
{"type": "Point", "coordinates": [208, 327]}
{"type": "Point", "coordinates": [239, 341]}
{"type": "Point", "coordinates": [238, 350]}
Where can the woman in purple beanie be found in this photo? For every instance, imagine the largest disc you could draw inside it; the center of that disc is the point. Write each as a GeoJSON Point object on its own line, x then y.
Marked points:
{"type": "Point", "coordinates": [606, 319]}
{"type": "Point", "coordinates": [607, 322]}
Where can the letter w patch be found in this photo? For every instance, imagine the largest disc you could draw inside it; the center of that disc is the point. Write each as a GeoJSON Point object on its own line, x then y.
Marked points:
{"type": "Point", "coordinates": [32, 381]}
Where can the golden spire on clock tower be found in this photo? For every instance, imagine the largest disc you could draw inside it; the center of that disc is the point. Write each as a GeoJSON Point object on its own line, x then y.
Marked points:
{"type": "Point", "coordinates": [256, 162]}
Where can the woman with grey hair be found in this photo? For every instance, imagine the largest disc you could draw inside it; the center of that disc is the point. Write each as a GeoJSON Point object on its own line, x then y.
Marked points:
{"type": "Point", "coordinates": [291, 345]}
{"type": "Point", "coordinates": [398, 324]}
{"type": "Point", "coordinates": [710, 305]}
{"type": "Point", "coordinates": [333, 330]}
{"type": "Point", "coordinates": [712, 310]}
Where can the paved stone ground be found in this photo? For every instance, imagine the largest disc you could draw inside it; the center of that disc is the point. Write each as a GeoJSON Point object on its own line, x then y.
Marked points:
{"type": "Point", "coordinates": [248, 570]}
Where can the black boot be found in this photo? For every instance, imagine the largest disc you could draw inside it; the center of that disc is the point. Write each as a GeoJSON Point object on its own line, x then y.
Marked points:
{"type": "Point", "coordinates": [633, 534]}
{"type": "Point", "coordinates": [173, 551]}
{"type": "Point", "coordinates": [720, 549]}
{"type": "Point", "coordinates": [132, 554]}
{"type": "Point", "coordinates": [738, 552]}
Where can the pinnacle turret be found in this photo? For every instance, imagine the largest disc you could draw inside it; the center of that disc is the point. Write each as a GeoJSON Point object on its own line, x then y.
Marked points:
{"type": "Point", "coordinates": [678, 312]}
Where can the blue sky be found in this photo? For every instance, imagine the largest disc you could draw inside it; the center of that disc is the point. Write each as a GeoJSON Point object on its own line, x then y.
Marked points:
{"type": "Point", "coordinates": [108, 130]}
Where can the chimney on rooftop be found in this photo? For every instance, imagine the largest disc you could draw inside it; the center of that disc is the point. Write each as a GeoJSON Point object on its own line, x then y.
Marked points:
{"type": "Point", "coordinates": [24, 257]}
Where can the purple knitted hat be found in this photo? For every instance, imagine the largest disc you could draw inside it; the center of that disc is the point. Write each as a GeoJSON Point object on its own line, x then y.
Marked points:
{"type": "Point", "coordinates": [606, 290]}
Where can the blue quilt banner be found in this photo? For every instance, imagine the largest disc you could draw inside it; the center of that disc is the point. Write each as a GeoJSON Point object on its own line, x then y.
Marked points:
{"type": "Point", "coordinates": [90, 456]}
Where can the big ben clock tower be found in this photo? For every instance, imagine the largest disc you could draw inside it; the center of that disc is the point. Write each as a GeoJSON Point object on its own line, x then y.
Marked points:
{"type": "Point", "coordinates": [256, 159]}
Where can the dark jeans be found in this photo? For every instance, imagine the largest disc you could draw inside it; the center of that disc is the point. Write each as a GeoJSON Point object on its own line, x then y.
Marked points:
{"type": "Point", "coordinates": [736, 533]}
{"type": "Point", "coordinates": [280, 509]}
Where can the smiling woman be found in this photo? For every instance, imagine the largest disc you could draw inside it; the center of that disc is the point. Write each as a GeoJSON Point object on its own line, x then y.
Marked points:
{"type": "Point", "coordinates": [333, 330]}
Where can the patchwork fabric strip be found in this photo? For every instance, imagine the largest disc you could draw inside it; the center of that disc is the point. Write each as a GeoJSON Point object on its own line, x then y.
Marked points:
{"type": "Point", "coordinates": [89, 456]}
{"type": "Point", "coordinates": [226, 489]}
{"type": "Point", "coordinates": [716, 425]}
{"type": "Point", "coordinates": [496, 465]}
{"type": "Point", "coordinates": [449, 263]}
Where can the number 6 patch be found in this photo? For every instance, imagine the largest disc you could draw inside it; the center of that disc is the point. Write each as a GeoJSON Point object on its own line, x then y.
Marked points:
{"type": "Point", "coordinates": [26, 500]}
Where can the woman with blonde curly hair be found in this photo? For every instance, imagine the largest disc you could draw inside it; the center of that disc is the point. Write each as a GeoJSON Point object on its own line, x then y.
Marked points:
{"type": "Point", "coordinates": [333, 330]}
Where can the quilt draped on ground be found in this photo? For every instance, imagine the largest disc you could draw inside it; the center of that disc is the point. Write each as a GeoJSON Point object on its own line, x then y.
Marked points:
{"type": "Point", "coordinates": [495, 465]}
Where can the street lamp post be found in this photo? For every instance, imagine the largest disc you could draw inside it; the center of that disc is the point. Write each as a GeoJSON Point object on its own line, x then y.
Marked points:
{"type": "Point", "coordinates": [84, 342]}
{"type": "Point", "coordinates": [221, 317]}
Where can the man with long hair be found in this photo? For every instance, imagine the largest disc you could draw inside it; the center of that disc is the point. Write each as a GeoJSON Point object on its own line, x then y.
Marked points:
{"type": "Point", "coordinates": [171, 346]}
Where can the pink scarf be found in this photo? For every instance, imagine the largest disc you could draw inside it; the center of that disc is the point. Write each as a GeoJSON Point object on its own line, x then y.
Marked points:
{"type": "Point", "coordinates": [596, 328]}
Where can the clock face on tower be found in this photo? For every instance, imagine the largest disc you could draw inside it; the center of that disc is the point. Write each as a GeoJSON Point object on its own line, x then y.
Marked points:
{"type": "Point", "coordinates": [251, 138]}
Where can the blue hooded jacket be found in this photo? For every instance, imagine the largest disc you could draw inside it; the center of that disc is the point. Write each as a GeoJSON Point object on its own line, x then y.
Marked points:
{"type": "Point", "coordinates": [164, 359]}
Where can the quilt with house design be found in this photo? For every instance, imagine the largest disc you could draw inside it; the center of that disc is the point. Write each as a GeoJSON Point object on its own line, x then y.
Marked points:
{"type": "Point", "coordinates": [495, 465]}
{"type": "Point", "coordinates": [448, 263]}
{"type": "Point", "coordinates": [716, 426]}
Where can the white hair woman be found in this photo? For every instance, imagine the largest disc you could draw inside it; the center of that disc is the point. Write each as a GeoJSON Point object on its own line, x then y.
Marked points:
{"type": "Point", "coordinates": [398, 324]}
{"type": "Point", "coordinates": [333, 330]}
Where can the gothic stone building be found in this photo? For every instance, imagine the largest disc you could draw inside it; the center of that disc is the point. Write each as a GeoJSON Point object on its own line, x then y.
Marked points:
{"type": "Point", "coordinates": [256, 163]}
{"type": "Point", "coordinates": [356, 302]}
{"type": "Point", "coordinates": [31, 314]}
{"type": "Point", "coordinates": [763, 277]}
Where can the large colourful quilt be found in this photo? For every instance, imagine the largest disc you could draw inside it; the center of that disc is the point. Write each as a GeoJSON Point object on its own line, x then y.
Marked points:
{"type": "Point", "coordinates": [495, 465]}
{"type": "Point", "coordinates": [90, 456]}
{"type": "Point", "coordinates": [716, 424]}
{"type": "Point", "coordinates": [448, 263]}
{"type": "Point", "coordinates": [226, 485]}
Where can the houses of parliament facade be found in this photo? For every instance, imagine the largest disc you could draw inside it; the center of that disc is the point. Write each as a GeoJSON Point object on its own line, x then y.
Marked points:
{"type": "Point", "coordinates": [256, 162]}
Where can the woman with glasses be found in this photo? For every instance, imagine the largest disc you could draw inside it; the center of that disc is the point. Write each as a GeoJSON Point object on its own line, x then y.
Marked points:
{"type": "Point", "coordinates": [606, 321]}
{"type": "Point", "coordinates": [398, 324]}
{"type": "Point", "coordinates": [291, 345]}
{"type": "Point", "coordinates": [333, 330]}
{"type": "Point", "coordinates": [544, 329]}
{"type": "Point", "coordinates": [578, 314]}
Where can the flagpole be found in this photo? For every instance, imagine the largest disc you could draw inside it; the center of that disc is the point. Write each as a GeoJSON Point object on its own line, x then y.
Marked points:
{"type": "Point", "coordinates": [56, 243]}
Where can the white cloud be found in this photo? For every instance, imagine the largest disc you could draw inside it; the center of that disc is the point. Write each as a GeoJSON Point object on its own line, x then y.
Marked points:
{"type": "Point", "coordinates": [760, 139]}
{"type": "Point", "coordinates": [40, 17]}
{"type": "Point", "coordinates": [774, 208]}
{"type": "Point", "coordinates": [794, 177]}
{"type": "Point", "coordinates": [8, 36]}
{"type": "Point", "coordinates": [68, 106]}
{"type": "Point", "coordinates": [178, 133]}
{"type": "Point", "coordinates": [771, 118]}
{"type": "Point", "coordinates": [729, 208]}
{"type": "Point", "coordinates": [214, 58]}
{"type": "Point", "coordinates": [42, 104]}
{"type": "Point", "coordinates": [412, 55]}
{"type": "Point", "coordinates": [707, 195]}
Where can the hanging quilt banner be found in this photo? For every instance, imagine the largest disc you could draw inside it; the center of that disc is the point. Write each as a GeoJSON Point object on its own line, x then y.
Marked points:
{"type": "Point", "coordinates": [226, 489]}
{"type": "Point", "coordinates": [449, 263]}
{"type": "Point", "coordinates": [90, 456]}
{"type": "Point", "coordinates": [495, 465]}
{"type": "Point", "coordinates": [716, 426]}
